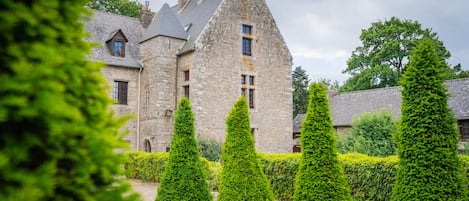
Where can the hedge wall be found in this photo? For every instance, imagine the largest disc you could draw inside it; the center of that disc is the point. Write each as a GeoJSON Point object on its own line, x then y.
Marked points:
{"type": "Point", "coordinates": [370, 178]}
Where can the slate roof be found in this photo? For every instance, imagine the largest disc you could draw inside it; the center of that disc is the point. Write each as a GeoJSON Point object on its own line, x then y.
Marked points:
{"type": "Point", "coordinates": [196, 14]}
{"type": "Point", "coordinates": [346, 106]}
{"type": "Point", "coordinates": [169, 22]}
{"type": "Point", "coordinates": [165, 24]}
{"type": "Point", "coordinates": [102, 25]}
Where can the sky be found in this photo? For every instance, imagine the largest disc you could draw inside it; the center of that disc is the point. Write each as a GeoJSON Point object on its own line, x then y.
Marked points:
{"type": "Point", "coordinates": [321, 34]}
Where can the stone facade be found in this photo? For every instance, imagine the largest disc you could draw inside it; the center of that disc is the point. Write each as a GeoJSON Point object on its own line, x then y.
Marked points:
{"type": "Point", "coordinates": [208, 63]}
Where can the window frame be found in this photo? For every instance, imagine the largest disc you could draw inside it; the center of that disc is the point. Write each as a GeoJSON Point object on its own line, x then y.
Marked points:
{"type": "Point", "coordinates": [247, 46]}
{"type": "Point", "coordinates": [186, 91]}
{"type": "Point", "coordinates": [120, 92]}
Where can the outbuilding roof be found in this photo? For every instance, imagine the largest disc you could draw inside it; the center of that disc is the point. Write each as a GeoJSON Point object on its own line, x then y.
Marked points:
{"type": "Point", "coordinates": [348, 105]}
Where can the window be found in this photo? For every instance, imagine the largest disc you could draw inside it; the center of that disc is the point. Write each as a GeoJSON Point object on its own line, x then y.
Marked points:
{"type": "Point", "coordinates": [147, 146]}
{"type": "Point", "coordinates": [247, 46]}
{"type": "Point", "coordinates": [248, 90]}
{"type": "Point", "coordinates": [247, 40]}
{"type": "Point", "coordinates": [116, 43]}
{"type": "Point", "coordinates": [243, 79]}
{"type": "Point", "coordinates": [464, 129]}
{"type": "Point", "coordinates": [247, 29]}
{"type": "Point", "coordinates": [251, 98]}
{"type": "Point", "coordinates": [186, 75]}
{"type": "Point", "coordinates": [251, 80]}
{"type": "Point", "coordinates": [120, 92]}
{"type": "Point", "coordinates": [118, 50]}
{"type": "Point", "coordinates": [186, 91]}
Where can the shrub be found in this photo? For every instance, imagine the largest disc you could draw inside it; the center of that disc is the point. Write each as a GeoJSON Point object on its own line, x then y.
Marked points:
{"type": "Point", "coordinates": [184, 177]}
{"type": "Point", "coordinates": [210, 149]}
{"type": "Point", "coordinates": [58, 135]}
{"type": "Point", "coordinates": [429, 168]}
{"type": "Point", "coordinates": [241, 176]}
{"type": "Point", "coordinates": [320, 176]}
{"type": "Point", "coordinates": [371, 134]}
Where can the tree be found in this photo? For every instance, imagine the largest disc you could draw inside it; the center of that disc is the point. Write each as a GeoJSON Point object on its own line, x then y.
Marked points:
{"type": "Point", "coordinates": [320, 175]}
{"type": "Point", "coordinates": [331, 85]}
{"type": "Point", "coordinates": [372, 134]}
{"type": "Point", "coordinates": [429, 168]}
{"type": "Point", "coordinates": [58, 136]}
{"type": "Point", "coordinates": [383, 56]}
{"type": "Point", "coordinates": [120, 7]}
{"type": "Point", "coordinates": [300, 83]}
{"type": "Point", "coordinates": [241, 177]}
{"type": "Point", "coordinates": [184, 177]}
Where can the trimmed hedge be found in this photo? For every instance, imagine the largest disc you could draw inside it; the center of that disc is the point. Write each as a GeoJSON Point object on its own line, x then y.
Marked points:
{"type": "Point", "coordinates": [370, 178]}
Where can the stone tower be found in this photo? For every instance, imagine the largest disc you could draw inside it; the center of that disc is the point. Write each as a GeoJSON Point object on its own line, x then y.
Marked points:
{"type": "Point", "coordinates": [158, 48]}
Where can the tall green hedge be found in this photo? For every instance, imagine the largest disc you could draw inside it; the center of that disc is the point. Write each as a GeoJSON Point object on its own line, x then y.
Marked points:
{"type": "Point", "coordinates": [184, 177]}
{"type": "Point", "coordinates": [241, 176]}
{"type": "Point", "coordinates": [320, 176]}
{"type": "Point", "coordinates": [370, 178]}
{"type": "Point", "coordinates": [429, 168]}
{"type": "Point", "coordinates": [58, 137]}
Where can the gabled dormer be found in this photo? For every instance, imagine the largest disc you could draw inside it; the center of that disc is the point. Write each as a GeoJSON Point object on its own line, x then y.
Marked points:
{"type": "Point", "coordinates": [116, 43]}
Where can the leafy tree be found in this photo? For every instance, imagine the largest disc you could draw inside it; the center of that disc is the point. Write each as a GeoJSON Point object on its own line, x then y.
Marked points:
{"type": "Point", "coordinates": [120, 7]}
{"type": "Point", "coordinates": [241, 177]}
{"type": "Point", "coordinates": [58, 136]}
{"type": "Point", "coordinates": [371, 134]}
{"type": "Point", "coordinates": [429, 168]}
{"type": "Point", "coordinates": [184, 177]}
{"type": "Point", "coordinates": [300, 84]}
{"type": "Point", "coordinates": [320, 175]}
{"type": "Point", "coordinates": [384, 53]}
{"type": "Point", "coordinates": [332, 85]}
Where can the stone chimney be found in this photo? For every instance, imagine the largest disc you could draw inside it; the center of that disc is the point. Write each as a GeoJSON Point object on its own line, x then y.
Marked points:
{"type": "Point", "coordinates": [181, 4]}
{"type": "Point", "coordinates": [145, 15]}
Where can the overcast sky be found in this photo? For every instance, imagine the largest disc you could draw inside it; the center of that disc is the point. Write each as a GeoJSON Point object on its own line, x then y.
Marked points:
{"type": "Point", "coordinates": [321, 34]}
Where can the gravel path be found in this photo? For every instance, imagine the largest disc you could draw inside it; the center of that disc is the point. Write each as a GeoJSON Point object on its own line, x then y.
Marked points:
{"type": "Point", "coordinates": [148, 190]}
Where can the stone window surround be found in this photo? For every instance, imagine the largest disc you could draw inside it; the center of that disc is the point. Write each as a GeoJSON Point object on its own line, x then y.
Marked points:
{"type": "Point", "coordinates": [247, 39]}
{"type": "Point", "coordinates": [248, 88]}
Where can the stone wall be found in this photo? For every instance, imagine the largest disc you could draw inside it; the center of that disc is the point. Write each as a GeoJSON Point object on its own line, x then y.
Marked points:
{"type": "Point", "coordinates": [130, 75]}
{"type": "Point", "coordinates": [217, 65]}
{"type": "Point", "coordinates": [158, 94]}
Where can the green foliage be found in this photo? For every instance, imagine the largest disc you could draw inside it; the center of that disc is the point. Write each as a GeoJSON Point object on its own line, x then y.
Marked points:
{"type": "Point", "coordinates": [320, 176]}
{"type": "Point", "coordinates": [371, 134]}
{"type": "Point", "coordinates": [210, 149]}
{"type": "Point", "coordinates": [241, 177]}
{"type": "Point", "coordinates": [384, 53]}
{"type": "Point", "coordinates": [370, 178]}
{"type": "Point", "coordinates": [120, 7]}
{"type": "Point", "coordinates": [58, 136]}
{"type": "Point", "coordinates": [300, 83]}
{"type": "Point", "coordinates": [184, 177]}
{"type": "Point", "coordinates": [429, 168]}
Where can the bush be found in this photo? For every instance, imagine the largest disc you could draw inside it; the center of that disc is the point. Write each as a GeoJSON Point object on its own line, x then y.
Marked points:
{"type": "Point", "coordinates": [210, 149]}
{"type": "Point", "coordinates": [371, 134]}
{"type": "Point", "coordinates": [184, 177]}
{"type": "Point", "coordinates": [370, 178]}
{"type": "Point", "coordinates": [241, 176]}
{"type": "Point", "coordinates": [429, 167]}
{"type": "Point", "coordinates": [320, 176]}
{"type": "Point", "coordinates": [58, 135]}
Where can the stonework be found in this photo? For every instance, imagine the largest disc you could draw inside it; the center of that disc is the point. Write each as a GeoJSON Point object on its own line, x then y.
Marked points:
{"type": "Point", "coordinates": [209, 64]}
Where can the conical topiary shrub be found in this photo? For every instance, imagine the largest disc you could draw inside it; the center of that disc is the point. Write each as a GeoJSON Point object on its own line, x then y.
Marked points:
{"type": "Point", "coordinates": [429, 168]}
{"type": "Point", "coordinates": [184, 177]}
{"type": "Point", "coordinates": [241, 177]}
{"type": "Point", "coordinates": [320, 175]}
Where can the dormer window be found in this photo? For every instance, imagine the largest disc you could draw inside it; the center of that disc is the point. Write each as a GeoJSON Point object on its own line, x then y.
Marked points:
{"type": "Point", "coordinates": [116, 43]}
{"type": "Point", "coordinates": [118, 50]}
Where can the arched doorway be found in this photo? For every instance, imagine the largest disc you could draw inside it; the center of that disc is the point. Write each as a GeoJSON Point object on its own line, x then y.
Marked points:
{"type": "Point", "coordinates": [147, 146]}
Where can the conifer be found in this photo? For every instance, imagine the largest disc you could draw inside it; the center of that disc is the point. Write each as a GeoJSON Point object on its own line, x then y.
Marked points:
{"type": "Point", "coordinates": [320, 175]}
{"type": "Point", "coordinates": [242, 177]}
{"type": "Point", "coordinates": [184, 178]}
{"type": "Point", "coordinates": [429, 168]}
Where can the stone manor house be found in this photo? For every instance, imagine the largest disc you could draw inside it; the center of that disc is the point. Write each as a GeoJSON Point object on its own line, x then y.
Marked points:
{"type": "Point", "coordinates": [212, 51]}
